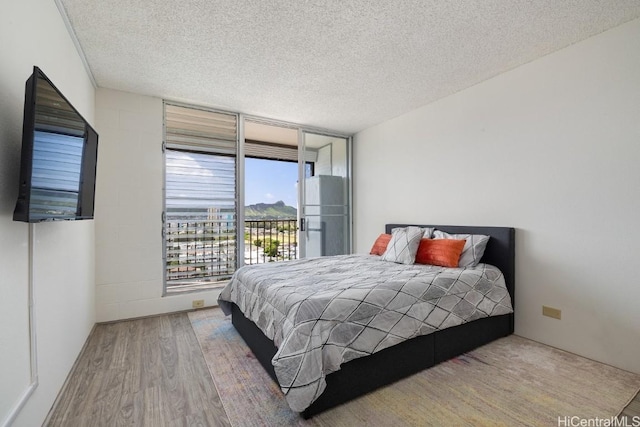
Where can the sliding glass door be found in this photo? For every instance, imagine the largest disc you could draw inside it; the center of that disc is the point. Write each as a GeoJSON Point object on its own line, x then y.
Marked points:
{"type": "Point", "coordinates": [325, 194]}
{"type": "Point", "coordinates": [294, 215]}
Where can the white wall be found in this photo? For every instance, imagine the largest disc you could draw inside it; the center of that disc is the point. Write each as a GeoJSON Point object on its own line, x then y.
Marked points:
{"type": "Point", "coordinates": [551, 148]}
{"type": "Point", "coordinates": [129, 205]}
{"type": "Point", "coordinates": [33, 33]}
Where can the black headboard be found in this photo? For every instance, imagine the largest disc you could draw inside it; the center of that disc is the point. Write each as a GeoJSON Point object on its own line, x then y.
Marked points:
{"type": "Point", "coordinates": [500, 250]}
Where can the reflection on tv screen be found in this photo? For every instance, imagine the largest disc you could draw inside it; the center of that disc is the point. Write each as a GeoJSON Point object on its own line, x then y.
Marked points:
{"type": "Point", "coordinates": [55, 180]}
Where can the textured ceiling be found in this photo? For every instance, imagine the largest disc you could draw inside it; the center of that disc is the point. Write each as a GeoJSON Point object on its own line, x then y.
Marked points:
{"type": "Point", "coordinates": [336, 64]}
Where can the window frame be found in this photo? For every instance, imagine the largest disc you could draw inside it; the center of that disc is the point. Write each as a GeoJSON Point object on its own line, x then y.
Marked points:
{"type": "Point", "coordinates": [167, 289]}
{"type": "Point", "coordinates": [241, 119]}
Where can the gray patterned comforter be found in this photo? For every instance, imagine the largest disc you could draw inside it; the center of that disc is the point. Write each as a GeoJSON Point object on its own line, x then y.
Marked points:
{"type": "Point", "coordinates": [323, 312]}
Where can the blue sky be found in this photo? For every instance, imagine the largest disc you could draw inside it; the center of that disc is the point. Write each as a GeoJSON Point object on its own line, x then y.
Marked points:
{"type": "Point", "coordinates": [267, 181]}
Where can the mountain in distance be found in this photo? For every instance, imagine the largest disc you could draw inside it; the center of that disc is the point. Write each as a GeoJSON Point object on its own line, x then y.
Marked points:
{"type": "Point", "coordinates": [277, 210]}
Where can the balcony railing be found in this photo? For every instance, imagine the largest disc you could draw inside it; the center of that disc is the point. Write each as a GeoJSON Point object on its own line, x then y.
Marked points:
{"type": "Point", "coordinates": [203, 251]}
{"type": "Point", "coordinates": [270, 240]}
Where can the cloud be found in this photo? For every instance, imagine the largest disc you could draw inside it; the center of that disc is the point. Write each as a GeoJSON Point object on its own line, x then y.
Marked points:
{"type": "Point", "coordinates": [269, 196]}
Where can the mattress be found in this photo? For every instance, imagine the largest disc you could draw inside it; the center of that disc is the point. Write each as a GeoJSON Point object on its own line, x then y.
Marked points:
{"type": "Point", "coordinates": [323, 312]}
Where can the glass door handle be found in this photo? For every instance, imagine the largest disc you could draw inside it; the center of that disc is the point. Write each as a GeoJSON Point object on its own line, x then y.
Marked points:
{"type": "Point", "coordinates": [302, 224]}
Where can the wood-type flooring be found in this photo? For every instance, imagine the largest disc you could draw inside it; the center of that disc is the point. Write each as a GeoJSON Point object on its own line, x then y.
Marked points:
{"type": "Point", "coordinates": [143, 372]}
{"type": "Point", "coordinates": [150, 372]}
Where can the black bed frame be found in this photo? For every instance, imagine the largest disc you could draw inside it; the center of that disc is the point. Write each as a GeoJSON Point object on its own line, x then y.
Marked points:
{"type": "Point", "coordinates": [360, 376]}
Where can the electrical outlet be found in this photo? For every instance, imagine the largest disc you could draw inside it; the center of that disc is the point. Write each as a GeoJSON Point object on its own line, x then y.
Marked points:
{"type": "Point", "coordinates": [197, 303]}
{"type": "Point", "coordinates": [551, 312]}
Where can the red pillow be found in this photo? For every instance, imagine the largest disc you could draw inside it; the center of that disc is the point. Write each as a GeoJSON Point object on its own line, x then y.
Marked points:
{"type": "Point", "coordinates": [442, 252]}
{"type": "Point", "coordinates": [381, 244]}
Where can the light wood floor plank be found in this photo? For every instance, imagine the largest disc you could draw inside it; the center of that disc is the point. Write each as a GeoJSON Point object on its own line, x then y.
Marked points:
{"type": "Point", "coordinates": [145, 372]}
{"type": "Point", "coordinates": [632, 410]}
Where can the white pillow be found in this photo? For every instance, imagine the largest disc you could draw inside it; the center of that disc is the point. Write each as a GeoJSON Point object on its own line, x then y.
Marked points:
{"type": "Point", "coordinates": [473, 248]}
{"type": "Point", "coordinates": [403, 246]}
{"type": "Point", "coordinates": [428, 232]}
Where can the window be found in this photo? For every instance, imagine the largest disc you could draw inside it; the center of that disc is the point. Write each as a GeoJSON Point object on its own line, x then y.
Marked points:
{"type": "Point", "coordinates": [203, 201]}
{"type": "Point", "coordinates": [200, 220]}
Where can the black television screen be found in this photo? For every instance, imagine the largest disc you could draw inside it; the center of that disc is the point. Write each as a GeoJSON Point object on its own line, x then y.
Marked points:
{"type": "Point", "coordinates": [59, 155]}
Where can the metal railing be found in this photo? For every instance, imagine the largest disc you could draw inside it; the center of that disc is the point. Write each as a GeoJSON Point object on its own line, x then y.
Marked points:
{"type": "Point", "coordinates": [270, 240]}
{"type": "Point", "coordinates": [204, 250]}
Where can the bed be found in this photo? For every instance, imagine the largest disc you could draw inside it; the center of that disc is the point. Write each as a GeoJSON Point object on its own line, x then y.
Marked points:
{"type": "Point", "coordinates": [363, 374]}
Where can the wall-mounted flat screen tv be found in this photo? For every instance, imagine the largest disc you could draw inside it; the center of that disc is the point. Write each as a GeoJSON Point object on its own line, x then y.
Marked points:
{"type": "Point", "coordinates": [58, 160]}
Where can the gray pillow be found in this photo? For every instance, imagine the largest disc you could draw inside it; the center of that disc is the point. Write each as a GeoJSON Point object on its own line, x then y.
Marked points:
{"type": "Point", "coordinates": [403, 246]}
{"type": "Point", "coordinates": [473, 248]}
{"type": "Point", "coordinates": [428, 232]}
